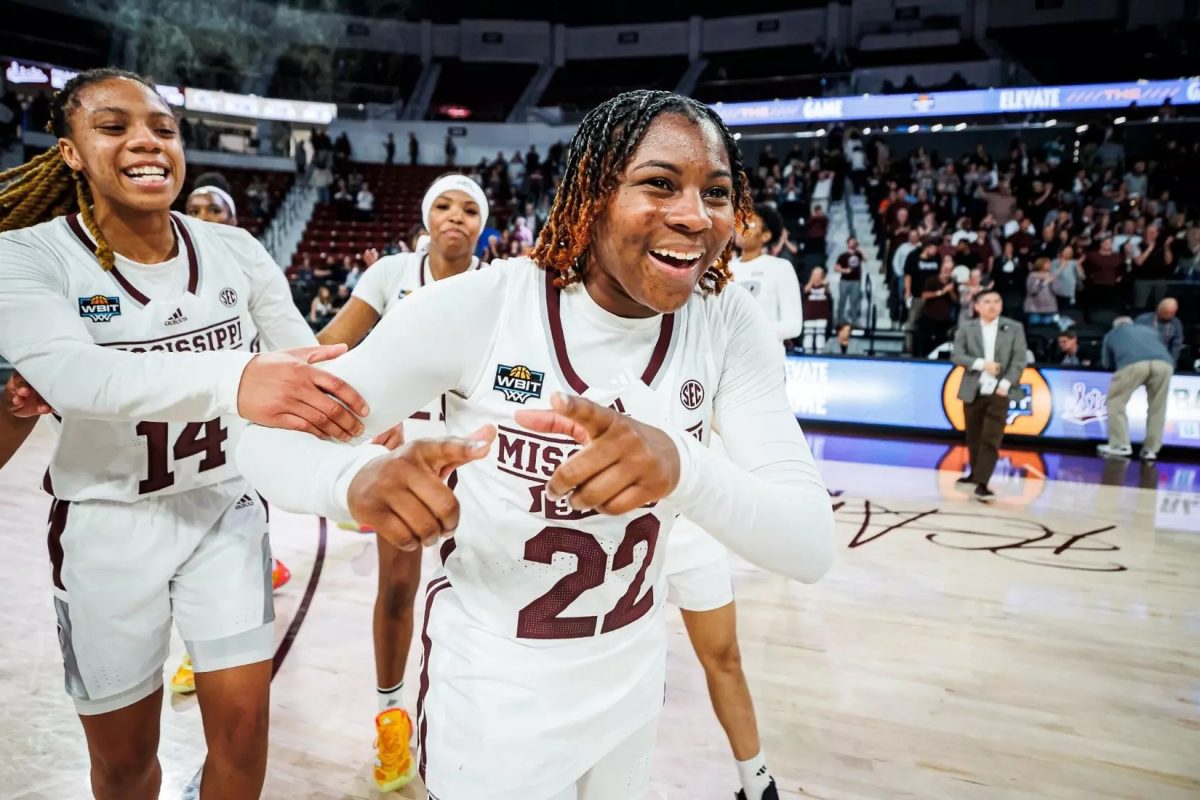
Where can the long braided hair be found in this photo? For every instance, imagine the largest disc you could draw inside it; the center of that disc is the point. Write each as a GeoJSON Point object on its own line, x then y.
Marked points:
{"type": "Point", "coordinates": [46, 187]}
{"type": "Point", "coordinates": [598, 154]}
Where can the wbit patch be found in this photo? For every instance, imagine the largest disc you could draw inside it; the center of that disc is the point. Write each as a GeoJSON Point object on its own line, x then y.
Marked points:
{"type": "Point", "coordinates": [99, 308]}
{"type": "Point", "coordinates": [518, 383]}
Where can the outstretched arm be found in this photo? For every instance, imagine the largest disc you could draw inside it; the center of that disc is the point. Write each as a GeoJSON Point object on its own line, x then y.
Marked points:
{"type": "Point", "coordinates": [45, 339]}
{"type": "Point", "coordinates": [397, 374]}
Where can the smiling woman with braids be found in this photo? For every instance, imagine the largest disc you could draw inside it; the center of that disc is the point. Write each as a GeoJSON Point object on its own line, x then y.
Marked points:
{"type": "Point", "coordinates": [133, 324]}
{"type": "Point", "coordinates": [605, 361]}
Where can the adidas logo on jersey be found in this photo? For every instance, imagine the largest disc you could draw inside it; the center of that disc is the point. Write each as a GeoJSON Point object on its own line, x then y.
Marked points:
{"type": "Point", "coordinates": [99, 308]}
{"type": "Point", "coordinates": [176, 318]}
{"type": "Point", "coordinates": [245, 501]}
{"type": "Point", "coordinates": [518, 383]}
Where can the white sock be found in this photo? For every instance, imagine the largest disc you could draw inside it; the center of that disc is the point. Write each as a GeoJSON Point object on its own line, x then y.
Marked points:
{"type": "Point", "coordinates": [391, 698]}
{"type": "Point", "coordinates": [754, 776]}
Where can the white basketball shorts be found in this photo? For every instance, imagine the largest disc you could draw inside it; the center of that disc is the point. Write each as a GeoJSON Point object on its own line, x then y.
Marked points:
{"type": "Point", "coordinates": [123, 571]}
{"type": "Point", "coordinates": [697, 569]}
{"type": "Point", "coordinates": [502, 719]}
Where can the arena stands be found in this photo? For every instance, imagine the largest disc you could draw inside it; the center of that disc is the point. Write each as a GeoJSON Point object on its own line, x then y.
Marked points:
{"type": "Point", "coordinates": [486, 90]}
{"type": "Point", "coordinates": [581, 84]}
{"type": "Point", "coordinates": [796, 71]}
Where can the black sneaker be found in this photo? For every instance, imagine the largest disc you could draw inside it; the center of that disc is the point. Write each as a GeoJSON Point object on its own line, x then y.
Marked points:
{"type": "Point", "coordinates": [770, 793]}
{"type": "Point", "coordinates": [984, 494]}
{"type": "Point", "coordinates": [964, 483]}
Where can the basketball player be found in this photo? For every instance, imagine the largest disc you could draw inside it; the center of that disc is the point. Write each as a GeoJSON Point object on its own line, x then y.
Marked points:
{"type": "Point", "coordinates": [131, 322]}
{"type": "Point", "coordinates": [453, 210]}
{"type": "Point", "coordinates": [543, 640]}
{"type": "Point", "coordinates": [771, 279]}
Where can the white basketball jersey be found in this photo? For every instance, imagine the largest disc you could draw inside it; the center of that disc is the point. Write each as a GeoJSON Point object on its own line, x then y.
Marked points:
{"type": "Point", "coordinates": [385, 283]}
{"type": "Point", "coordinates": [125, 461]}
{"type": "Point", "coordinates": [538, 570]}
{"type": "Point", "coordinates": [769, 278]}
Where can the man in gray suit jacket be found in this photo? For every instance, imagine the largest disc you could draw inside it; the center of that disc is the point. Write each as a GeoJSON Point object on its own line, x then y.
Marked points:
{"type": "Point", "coordinates": [992, 350]}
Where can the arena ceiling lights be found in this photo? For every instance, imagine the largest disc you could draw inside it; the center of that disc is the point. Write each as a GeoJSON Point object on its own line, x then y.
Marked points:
{"type": "Point", "coordinates": [36, 75]}
{"type": "Point", "coordinates": [255, 107]}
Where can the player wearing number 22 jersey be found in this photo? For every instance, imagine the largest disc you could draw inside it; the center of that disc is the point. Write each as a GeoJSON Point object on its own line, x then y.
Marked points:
{"type": "Point", "coordinates": [151, 520]}
{"type": "Point", "coordinates": [543, 640]}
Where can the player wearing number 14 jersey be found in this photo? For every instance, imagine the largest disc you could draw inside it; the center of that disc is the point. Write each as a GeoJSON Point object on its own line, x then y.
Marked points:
{"type": "Point", "coordinates": [604, 362]}
{"type": "Point", "coordinates": [151, 522]}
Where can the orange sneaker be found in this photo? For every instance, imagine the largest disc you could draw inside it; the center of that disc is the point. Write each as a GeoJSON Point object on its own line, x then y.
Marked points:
{"type": "Point", "coordinates": [395, 766]}
{"type": "Point", "coordinates": [280, 574]}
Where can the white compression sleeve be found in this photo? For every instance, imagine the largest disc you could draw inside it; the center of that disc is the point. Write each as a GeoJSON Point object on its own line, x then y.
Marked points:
{"type": "Point", "coordinates": [271, 305]}
{"type": "Point", "coordinates": [791, 307]}
{"type": "Point", "coordinates": [767, 503]}
{"type": "Point", "coordinates": [43, 336]}
{"type": "Point", "coordinates": [396, 375]}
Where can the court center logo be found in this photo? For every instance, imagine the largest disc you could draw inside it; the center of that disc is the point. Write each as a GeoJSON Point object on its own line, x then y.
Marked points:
{"type": "Point", "coordinates": [518, 383]}
{"type": "Point", "coordinates": [99, 308]}
{"type": "Point", "coordinates": [1027, 416]}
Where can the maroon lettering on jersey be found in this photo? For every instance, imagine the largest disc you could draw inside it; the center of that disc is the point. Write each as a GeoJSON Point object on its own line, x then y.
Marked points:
{"type": "Point", "coordinates": [534, 457]}
{"type": "Point", "coordinates": [530, 455]}
{"type": "Point", "coordinates": [224, 335]}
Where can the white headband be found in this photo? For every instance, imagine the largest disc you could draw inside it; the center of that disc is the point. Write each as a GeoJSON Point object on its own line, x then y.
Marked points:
{"type": "Point", "coordinates": [219, 192]}
{"type": "Point", "coordinates": [450, 183]}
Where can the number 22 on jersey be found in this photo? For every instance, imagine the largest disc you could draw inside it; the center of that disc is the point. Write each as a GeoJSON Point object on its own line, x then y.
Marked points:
{"type": "Point", "coordinates": [542, 618]}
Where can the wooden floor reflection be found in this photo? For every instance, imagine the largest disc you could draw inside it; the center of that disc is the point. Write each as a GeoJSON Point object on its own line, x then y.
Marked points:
{"type": "Point", "coordinates": [1044, 647]}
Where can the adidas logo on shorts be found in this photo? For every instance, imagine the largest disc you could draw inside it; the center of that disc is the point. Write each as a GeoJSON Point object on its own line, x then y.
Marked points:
{"type": "Point", "coordinates": [176, 318]}
{"type": "Point", "coordinates": [245, 501]}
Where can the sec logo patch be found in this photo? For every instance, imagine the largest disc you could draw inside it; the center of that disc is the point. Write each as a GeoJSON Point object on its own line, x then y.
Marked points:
{"type": "Point", "coordinates": [691, 394]}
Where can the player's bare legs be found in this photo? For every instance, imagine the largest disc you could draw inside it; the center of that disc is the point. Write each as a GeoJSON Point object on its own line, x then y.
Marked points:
{"type": "Point", "coordinates": [714, 638]}
{"type": "Point", "coordinates": [123, 746]}
{"type": "Point", "coordinates": [235, 706]}
{"type": "Point", "coordinates": [399, 579]}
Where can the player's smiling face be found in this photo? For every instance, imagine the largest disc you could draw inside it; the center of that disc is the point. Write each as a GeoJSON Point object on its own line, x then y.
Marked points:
{"type": "Point", "coordinates": [125, 140]}
{"type": "Point", "coordinates": [666, 223]}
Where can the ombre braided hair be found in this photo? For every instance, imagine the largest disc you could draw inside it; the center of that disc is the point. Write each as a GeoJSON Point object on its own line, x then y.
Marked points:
{"type": "Point", "coordinates": [597, 156]}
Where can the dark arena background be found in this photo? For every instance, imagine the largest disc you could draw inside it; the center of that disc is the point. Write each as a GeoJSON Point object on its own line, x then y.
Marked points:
{"type": "Point", "coordinates": [1040, 639]}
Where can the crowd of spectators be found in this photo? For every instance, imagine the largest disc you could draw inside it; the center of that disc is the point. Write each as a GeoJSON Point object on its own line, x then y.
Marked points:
{"type": "Point", "coordinates": [1070, 240]}
{"type": "Point", "coordinates": [1070, 243]}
